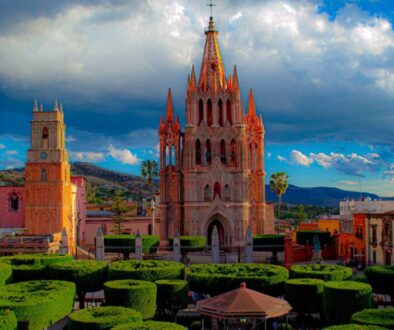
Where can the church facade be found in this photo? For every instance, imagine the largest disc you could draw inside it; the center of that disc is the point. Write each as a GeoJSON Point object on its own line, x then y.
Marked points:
{"type": "Point", "coordinates": [212, 173]}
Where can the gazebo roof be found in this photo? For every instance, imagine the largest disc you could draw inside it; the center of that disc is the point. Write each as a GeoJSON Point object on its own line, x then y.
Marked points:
{"type": "Point", "coordinates": [243, 302]}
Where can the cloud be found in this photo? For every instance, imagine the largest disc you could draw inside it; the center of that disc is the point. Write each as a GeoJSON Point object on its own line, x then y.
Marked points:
{"type": "Point", "coordinates": [123, 155]}
{"type": "Point", "coordinates": [88, 156]}
{"type": "Point", "coordinates": [2, 146]}
{"type": "Point", "coordinates": [389, 172]}
{"type": "Point", "coordinates": [70, 138]}
{"type": "Point", "coordinates": [298, 158]}
{"type": "Point", "coordinates": [281, 159]}
{"type": "Point", "coordinates": [10, 163]}
{"type": "Point", "coordinates": [348, 182]}
{"type": "Point", "coordinates": [11, 152]}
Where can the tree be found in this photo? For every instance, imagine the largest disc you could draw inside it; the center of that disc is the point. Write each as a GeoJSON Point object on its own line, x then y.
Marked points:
{"type": "Point", "coordinates": [119, 208]}
{"type": "Point", "coordinates": [150, 170]}
{"type": "Point", "coordinates": [279, 184]}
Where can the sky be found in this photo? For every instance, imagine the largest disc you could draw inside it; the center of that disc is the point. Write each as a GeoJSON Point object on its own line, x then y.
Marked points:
{"type": "Point", "coordinates": [322, 72]}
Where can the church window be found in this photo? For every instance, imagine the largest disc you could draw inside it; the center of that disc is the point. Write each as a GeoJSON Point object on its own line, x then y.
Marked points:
{"type": "Point", "coordinates": [217, 190]}
{"type": "Point", "coordinates": [200, 111]}
{"type": "Point", "coordinates": [173, 155]}
{"type": "Point", "coordinates": [208, 153]}
{"type": "Point", "coordinates": [45, 137]}
{"type": "Point", "coordinates": [229, 112]}
{"type": "Point", "coordinates": [209, 113]}
{"type": "Point", "coordinates": [223, 152]}
{"type": "Point", "coordinates": [226, 193]}
{"type": "Point", "coordinates": [14, 202]}
{"type": "Point", "coordinates": [43, 175]}
{"type": "Point", "coordinates": [207, 193]}
{"type": "Point", "coordinates": [198, 152]}
{"type": "Point", "coordinates": [220, 106]}
{"type": "Point", "coordinates": [233, 153]}
{"type": "Point", "coordinates": [168, 159]}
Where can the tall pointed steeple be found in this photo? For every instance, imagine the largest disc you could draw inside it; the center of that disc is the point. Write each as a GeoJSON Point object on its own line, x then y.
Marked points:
{"type": "Point", "coordinates": [212, 69]}
{"type": "Point", "coordinates": [235, 84]}
{"type": "Point", "coordinates": [251, 107]}
{"type": "Point", "coordinates": [169, 112]}
{"type": "Point", "coordinates": [35, 106]}
{"type": "Point", "coordinates": [192, 83]}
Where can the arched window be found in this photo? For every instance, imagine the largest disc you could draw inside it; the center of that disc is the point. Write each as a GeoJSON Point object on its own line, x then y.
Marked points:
{"type": "Point", "coordinates": [45, 138]}
{"type": "Point", "coordinates": [209, 113]}
{"type": "Point", "coordinates": [228, 112]}
{"type": "Point", "coordinates": [198, 152]}
{"type": "Point", "coordinates": [43, 175]}
{"type": "Point", "coordinates": [233, 153]}
{"type": "Point", "coordinates": [173, 155]}
{"type": "Point", "coordinates": [208, 153]}
{"type": "Point", "coordinates": [207, 193]}
{"type": "Point", "coordinates": [14, 203]}
{"type": "Point", "coordinates": [168, 159]}
{"type": "Point", "coordinates": [226, 193]}
{"type": "Point", "coordinates": [200, 111]}
{"type": "Point", "coordinates": [220, 106]}
{"type": "Point", "coordinates": [217, 190]}
{"type": "Point", "coordinates": [223, 151]}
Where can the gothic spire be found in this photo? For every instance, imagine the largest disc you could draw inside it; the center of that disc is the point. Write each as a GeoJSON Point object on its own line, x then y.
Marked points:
{"type": "Point", "coordinates": [35, 107]}
{"type": "Point", "coordinates": [235, 84]}
{"type": "Point", "coordinates": [169, 112]}
{"type": "Point", "coordinates": [193, 83]}
{"type": "Point", "coordinates": [251, 107]}
{"type": "Point", "coordinates": [55, 107]}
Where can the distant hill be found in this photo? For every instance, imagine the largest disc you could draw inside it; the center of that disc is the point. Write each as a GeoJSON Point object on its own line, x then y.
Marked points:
{"type": "Point", "coordinates": [106, 179]}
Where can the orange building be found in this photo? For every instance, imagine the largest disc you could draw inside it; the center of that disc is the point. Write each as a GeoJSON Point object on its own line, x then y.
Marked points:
{"type": "Point", "coordinates": [353, 245]}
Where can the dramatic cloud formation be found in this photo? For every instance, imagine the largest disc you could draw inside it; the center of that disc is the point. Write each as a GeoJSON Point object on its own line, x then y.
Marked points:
{"type": "Point", "coordinates": [123, 155]}
{"type": "Point", "coordinates": [297, 157]}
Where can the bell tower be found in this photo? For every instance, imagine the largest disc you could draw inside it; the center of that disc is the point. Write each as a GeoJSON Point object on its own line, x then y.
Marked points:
{"type": "Point", "coordinates": [48, 186]}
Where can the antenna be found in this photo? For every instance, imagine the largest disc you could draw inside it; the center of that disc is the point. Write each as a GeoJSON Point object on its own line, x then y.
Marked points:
{"type": "Point", "coordinates": [210, 4]}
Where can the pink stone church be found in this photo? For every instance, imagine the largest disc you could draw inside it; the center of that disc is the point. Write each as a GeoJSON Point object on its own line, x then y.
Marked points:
{"type": "Point", "coordinates": [212, 173]}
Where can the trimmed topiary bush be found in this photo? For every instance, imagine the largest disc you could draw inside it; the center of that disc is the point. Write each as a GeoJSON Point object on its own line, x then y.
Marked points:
{"type": "Point", "coordinates": [171, 296]}
{"type": "Point", "coordinates": [125, 244]}
{"type": "Point", "coordinates": [88, 275]}
{"type": "Point", "coordinates": [343, 298]}
{"type": "Point", "coordinates": [322, 272]}
{"type": "Point", "coordinates": [102, 318]}
{"type": "Point", "coordinates": [145, 270]}
{"type": "Point", "coordinates": [378, 317]}
{"type": "Point", "coordinates": [5, 274]}
{"type": "Point", "coordinates": [382, 279]}
{"type": "Point", "coordinates": [303, 236]}
{"type": "Point", "coordinates": [8, 320]}
{"type": "Point", "coordinates": [190, 243]}
{"type": "Point", "coordinates": [353, 327]}
{"type": "Point", "coordinates": [305, 295]}
{"type": "Point", "coordinates": [361, 278]}
{"type": "Point", "coordinates": [27, 267]}
{"type": "Point", "coordinates": [138, 295]}
{"type": "Point", "coordinates": [38, 304]}
{"type": "Point", "coordinates": [215, 279]}
{"type": "Point", "coordinates": [150, 325]}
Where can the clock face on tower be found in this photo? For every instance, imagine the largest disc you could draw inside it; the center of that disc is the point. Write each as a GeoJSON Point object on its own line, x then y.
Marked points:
{"type": "Point", "coordinates": [43, 155]}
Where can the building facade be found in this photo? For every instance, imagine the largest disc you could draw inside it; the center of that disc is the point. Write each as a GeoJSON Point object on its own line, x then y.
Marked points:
{"type": "Point", "coordinates": [212, 173]}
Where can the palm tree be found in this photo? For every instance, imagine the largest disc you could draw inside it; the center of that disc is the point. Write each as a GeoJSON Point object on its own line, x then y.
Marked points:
{"type": "Point", "coordinates": [279, 184]}
{"type": "Point", "coordinates": [150, 170]}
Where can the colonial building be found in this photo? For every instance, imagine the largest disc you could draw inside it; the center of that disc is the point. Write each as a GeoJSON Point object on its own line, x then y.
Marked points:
{"type": "Point", "coordinates": [212, 173]}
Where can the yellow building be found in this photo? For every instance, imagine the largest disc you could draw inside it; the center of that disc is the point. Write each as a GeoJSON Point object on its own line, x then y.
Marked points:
{"type": "Point", "coordinates": [331, 225]}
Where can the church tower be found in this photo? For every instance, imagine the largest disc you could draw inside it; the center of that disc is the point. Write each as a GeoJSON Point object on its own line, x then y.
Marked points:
{"type": "Point", "coordinates": [48, 207]}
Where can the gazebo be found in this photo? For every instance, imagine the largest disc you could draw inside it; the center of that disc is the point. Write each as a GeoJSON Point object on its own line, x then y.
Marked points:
{"type": "Point", "coordinates": [241, 306]}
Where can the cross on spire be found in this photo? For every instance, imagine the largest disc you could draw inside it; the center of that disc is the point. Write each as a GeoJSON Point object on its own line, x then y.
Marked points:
{"type": "Point", "coordinates": [211, 5]}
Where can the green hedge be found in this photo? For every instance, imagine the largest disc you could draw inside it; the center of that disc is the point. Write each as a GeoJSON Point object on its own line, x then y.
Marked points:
{"type": "Point", "coordinates": [5, 274]}
{"type": "Point", "coordinates": [27, 267]}
{"type": "Point", "coordinates": [322, 272]}
{"type": "Point", "coordinates": [307, 235]}
{"type": "Point", "coordinates": [190, 243]}
{"type": "Point", "coordinates": [215, 279]}
{"type": "Point", "coordinates": [305, 295]}
{"type": "Point", "coordinates": [379, 317]}
{"type": "Point", "coordinates": [361, 278]}
{"type": "Point", "coordinates": [171, 296]}
{"type": "Point", "coordinates": [38, 304]}
{"type": "Point", "coordinates": [269, 242]}
{"type": "Point", "coordinates": [353, 327]}
{"type": "Point", "coordinates": [382, 279]}
{"type": "Point", "coordinates": [343, 298]}
{"type": "Point", "coordinates": [88, 275]}
{"type": "Point", "coordinates": [138, 295]}
{"type": "Point", "coordinates": [145, 270]}
{"type": "Point", "coordinates": [102, 318]}
{"type": "Point", "coordinates": [125, 244]}
{"type": "Point", "coordinates": [150, 325]}
{"type": "Point", "coordinates": [8, 320]}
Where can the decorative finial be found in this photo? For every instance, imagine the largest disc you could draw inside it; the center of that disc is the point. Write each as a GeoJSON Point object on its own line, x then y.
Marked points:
{"type": "Point", "coordinates": [211, 5]}
{"type": "Point", "coordinates": [41, 107]}
{"type": "Point", "coordinates": [55, 107]}
{"type": "Point", "coordinates": [35, 107]}
{"type": "Point", "coordinates": [61, 107]}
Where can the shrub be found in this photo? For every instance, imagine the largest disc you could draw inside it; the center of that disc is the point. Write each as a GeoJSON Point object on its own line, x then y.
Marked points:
{"type": "Point", "coordinates": [353, 327]}
{"type": "Point", "coordinates": [382, 279]}
{"type": "Point", "coordinates": [343, 298]}
{"type": "Point", "coordinates": [88, 275]}
{"type": "Point", "coordinates": [171, 296]}
{"type": "Point", "coordinates": [146, 270]}
{"type": "Point", "coordinates": [378, 317]}
{"type": "Point", "coordinates": [150, 325]}
{"type": "Point", "coordinates": [27, 267]}
{"type": "Point", "coordinates": [8, 320]}
{"type": "Point", "coordinates": [38, 304]}
{"type": "Point", "coordinates": [322, 272]}
{"type": "Point", "coordinates": [307, 235]}
{"type": "Point", "coordinates": [125, 244]}
{"type": "Point", "coordinates": [305, 295]}
{"type": "Point", "coordinates": [5, 274]}
{"type": "Point", "coordinates": [102, 318]}
{"type": "Point", "coordinates": [196, 325]}
{"type": "Point", "coordinates": [215, 279]}
{"type": "Point", "coordinates": [269, 242]}
{"type": "Point", "coordinates": [190, 243]}
{"type": "Point", "coordinates": [361, 278]}
{"type": "Point", "coordinates": [138, 295]}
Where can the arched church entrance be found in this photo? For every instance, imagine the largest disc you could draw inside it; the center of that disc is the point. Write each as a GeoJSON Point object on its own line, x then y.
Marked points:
{"type": "Point", "coordinates": [220, 229]}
